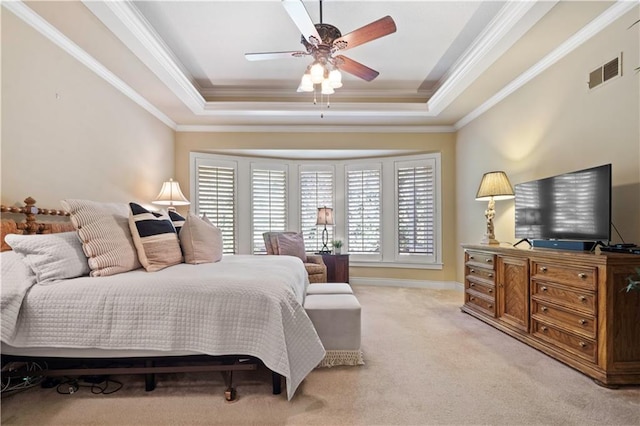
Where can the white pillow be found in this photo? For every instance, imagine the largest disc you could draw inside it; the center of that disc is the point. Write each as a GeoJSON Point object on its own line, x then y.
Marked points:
{"type": "Point", "coordinates": [106, 238]}
{"type": "Point", "coordinates": [201, 240]}
{"type": "Point", "coordinates": [51, 256]}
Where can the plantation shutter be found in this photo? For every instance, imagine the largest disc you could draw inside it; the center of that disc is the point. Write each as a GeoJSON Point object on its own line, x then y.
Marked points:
{"type": "Point", "coordinates": [268, 203]}
{"type": "Point", "coordinates": [316, 190]}
{"type": "Point", "coordinates": [416, 210]}
{"type": "Point", "coordinates": [215, 189]}
{"type": "Point", "coordinates": [363, 210]}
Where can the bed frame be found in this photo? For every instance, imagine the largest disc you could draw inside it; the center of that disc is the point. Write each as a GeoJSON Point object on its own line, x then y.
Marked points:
{"type": "Point", "coordinates": [149, 366]}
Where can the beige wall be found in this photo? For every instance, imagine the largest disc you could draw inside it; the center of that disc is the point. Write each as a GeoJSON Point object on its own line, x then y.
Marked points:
{"type": "Point", "coordinates": [552, 125]}
{"type": "Point", "coordinates": [430, 142]}
{"type": "Point", "coordinates": [66, 133]}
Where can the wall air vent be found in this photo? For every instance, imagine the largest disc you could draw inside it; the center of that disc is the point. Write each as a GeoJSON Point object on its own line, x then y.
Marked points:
{"type": "Point", "coordinates": [606, 72]}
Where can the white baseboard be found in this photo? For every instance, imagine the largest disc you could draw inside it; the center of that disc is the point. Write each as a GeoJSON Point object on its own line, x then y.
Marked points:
{"type": "Point", "coordinates": [389, 282]}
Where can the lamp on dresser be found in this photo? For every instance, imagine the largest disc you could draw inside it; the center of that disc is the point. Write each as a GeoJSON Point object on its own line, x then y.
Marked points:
{"type": "Point", "coordinates": [170, 195]}
{"type": "Point", "coordinates": [325, 217]}
{"type": "Point", "coordinates": [493, 186]}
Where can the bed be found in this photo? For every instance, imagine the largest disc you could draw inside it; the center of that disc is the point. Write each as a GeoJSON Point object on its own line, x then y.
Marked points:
{"type": "Point", "coordinates": [240, 308]}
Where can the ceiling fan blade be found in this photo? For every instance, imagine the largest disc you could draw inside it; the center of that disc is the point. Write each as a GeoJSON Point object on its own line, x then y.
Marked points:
{"type": "Point", "coordinates": [380, 28]}
{"type": "Point", "coordinates": [356, 68]}
{"type": "Point", "coordinates": [300, 16]}
{"type": "Point", "coordinates": [274, 55]}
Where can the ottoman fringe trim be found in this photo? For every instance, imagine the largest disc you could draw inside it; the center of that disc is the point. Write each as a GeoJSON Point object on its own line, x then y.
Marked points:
{"type": "Point", "coordinates": [334, 358]}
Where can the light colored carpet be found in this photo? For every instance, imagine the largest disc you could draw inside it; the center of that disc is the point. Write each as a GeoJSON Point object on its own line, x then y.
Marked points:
{"type": "Point", "coordinates": [426, 363]}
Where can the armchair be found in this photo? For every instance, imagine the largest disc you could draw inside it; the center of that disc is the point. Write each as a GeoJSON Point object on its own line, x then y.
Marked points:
{"type": "Point", "coordinates": [293, 244]}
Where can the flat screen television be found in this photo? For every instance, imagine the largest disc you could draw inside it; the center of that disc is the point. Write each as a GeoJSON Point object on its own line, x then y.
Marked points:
{"type": "Point", "coordinates": [572, 206]}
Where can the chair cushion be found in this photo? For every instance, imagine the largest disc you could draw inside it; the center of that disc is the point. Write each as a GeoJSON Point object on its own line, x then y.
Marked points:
{"type": "Point", "coordinates": [291, 245]}
{"type": "Point", "coordinates": [314, 268]}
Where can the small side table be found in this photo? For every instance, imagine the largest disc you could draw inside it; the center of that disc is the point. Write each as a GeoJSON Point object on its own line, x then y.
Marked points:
{"type": "Point", "coordinates": [337, 267]}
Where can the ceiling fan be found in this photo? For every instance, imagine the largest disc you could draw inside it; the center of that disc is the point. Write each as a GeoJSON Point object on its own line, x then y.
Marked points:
{"type": "Point", "coordinates": [324, 43]}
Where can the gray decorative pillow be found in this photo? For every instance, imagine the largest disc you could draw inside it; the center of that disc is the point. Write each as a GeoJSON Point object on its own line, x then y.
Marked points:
{"type": "Point", "coordinates": [201, 240]}
{"type": "Point", "coordinates": [292, 245]}
{"type": "Point", "coordinates": [51, 256]}
{"type": "Point", "coordinates": [106, 239]}
{"type": "Point", "coordinates": [155, 238]}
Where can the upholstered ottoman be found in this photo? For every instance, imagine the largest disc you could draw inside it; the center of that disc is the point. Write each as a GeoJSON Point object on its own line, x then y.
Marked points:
{"type": "Point", "coordinates": [336, 318]}
{"type": "Point", "coordinates": [329, 288]}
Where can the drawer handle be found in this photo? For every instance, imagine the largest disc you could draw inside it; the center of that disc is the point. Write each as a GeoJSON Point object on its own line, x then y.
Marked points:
{"type": "Point", "coordinates": [472, 298]}
{"type": "Point", "coordinates": [489, 260]}
{"type": "Point", "coordinates": [490, 306]}
{"type": "Point", "coordinates": [472, 285]}
{"type": "Point", "coordinates": [490, 275]}
{"type": "Point", "coordinates": [582, 275]}
{"type": "Point", "coordinates": [582, 298]}
{"type": "Point", "coordinates": [544, 309]}
{"type": "Point", "coordinates": [582, 344]}
{"type": "Point", "coordinates": [471, 257]}
{"type": "Point", "coordinates": [543, 328]}
{"type": "Point", "coordinates": [543, 269]}
{"type": "Point", "coordinates": [543, 288]}
{"type": "Point", "coordinates": [490, 290]}
{"type": "Point", "coordinates": [582, 322]}
{"type": "Point", "coordinates": [473, 271]}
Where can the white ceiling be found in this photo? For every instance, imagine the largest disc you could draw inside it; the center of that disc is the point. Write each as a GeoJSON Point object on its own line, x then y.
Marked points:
{"type": "Point", "coordinates": [184, 60]}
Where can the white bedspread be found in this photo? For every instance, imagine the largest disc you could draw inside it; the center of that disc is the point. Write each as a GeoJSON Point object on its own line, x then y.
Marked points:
{"type": "Point", "coordinates": [245, 305]}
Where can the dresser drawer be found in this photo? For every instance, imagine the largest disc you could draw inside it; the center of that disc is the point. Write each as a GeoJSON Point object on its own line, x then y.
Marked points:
{"type": "Point", "coordinates": [582, 300]}
{"type": "Point", "coordinates": [478, 258]}
{"type": "Point", "coordinates": [584, 348]}
{"type": "Point", "coordinates": [584, 325]}
{"type": "Point", "coordinates": [488, 275]}
{"type": "Point", "coordinates": [481, 287]}
{"type": "Point", "coordinates": [477, 302]}
{"type": "Point", "coordinates": [575, 277]}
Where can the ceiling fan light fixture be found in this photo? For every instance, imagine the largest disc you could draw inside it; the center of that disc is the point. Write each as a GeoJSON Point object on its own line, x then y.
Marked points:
{"type": "Point", "coordinates": [335, 78]}
{"type": "Point", "coordinates": [326, 87]}
{"type": "Point", "coordinates": [306, 85]}
{"type": "Point", "coordinates": [317, 73]}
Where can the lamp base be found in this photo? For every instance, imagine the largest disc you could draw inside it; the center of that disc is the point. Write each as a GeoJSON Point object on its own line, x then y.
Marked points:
{"type": "Point", "coordinates": [489, 240]}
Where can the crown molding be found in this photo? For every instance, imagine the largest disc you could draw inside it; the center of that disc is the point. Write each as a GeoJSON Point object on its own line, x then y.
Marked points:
{"type": "Point", "coordinates": [314, 129]}
{"type": "Point", "coordinates": [34, 20]}
{"type": "Point", "coordinates": [606, 18]}
{"type": "Point", "coordinates": [512, 21]}
{"type": "Point", "coordinates": [128, 24]}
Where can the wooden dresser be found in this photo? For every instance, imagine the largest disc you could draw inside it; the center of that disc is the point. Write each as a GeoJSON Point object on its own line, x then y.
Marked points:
{"type": "Point", "coordinates": [570, 305]}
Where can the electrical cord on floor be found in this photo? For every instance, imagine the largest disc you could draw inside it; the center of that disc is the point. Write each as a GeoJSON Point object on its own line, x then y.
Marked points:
{"type": "Point", "coordinates": [72, 385]}
{"type": "Point", "coordinates": [30, 379]}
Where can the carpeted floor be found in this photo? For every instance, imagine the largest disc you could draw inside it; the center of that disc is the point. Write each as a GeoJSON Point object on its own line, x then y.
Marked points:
{"type": "Point", "coordinates": [426, 363]}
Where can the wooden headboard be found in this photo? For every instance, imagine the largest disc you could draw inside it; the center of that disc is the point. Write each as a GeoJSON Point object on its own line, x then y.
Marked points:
{"type": "Point", "coordinates": [30, 225]}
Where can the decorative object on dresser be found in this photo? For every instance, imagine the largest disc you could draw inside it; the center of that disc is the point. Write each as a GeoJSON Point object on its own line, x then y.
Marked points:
{"type": "Point", "coordinates": [570, 305]}
{"type": "Point", "coordinates": [337, 246]}
{"type": "Point", "coordinates": [170, 195]}
{"type": "Point", "coordinates": [493, 186]}
{"type": "Point", "coordinates": [325, 217]}
{"type": "Point", "coordinates": [337, 267]}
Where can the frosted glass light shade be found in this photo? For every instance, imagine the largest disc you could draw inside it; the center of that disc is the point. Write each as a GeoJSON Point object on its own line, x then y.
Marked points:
{"type": "Point", "coordinates": [317, 73]}
{"type": "Point", "coordinates": [306, 85]}
{"type": "Point", "coordinates": [335, 78]}
{"type": "Point", "coordinates": [326, 87]}
{"type": "Point", "coordinates": [171, 195]}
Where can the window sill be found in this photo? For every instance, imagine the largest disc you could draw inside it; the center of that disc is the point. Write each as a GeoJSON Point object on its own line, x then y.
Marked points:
{"type": "Point", "coordinates": [361, 264]}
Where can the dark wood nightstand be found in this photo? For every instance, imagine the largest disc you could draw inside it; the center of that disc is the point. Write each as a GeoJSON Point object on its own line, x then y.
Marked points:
{"type": "Point", "coordinates": [337, 267]}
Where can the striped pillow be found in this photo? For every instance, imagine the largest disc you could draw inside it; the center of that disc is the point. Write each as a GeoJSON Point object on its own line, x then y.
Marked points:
{"type": "Point", "coordinates": [155, 238]}
{"type": "Point", "coordinates": [103, 229]}
{"type": "Point", "coordinates": [177, 219]}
